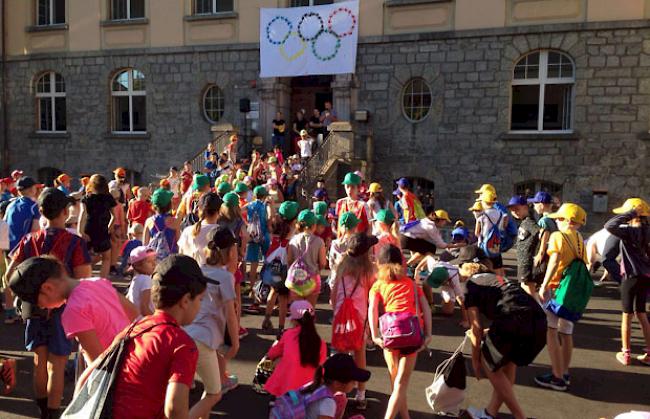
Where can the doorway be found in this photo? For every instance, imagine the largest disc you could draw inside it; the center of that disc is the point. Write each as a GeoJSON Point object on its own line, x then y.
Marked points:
{"type": "Point", "coordinates": [309, 93]}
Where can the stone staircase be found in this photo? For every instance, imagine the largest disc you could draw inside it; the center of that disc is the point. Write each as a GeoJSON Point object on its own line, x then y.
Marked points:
{"type": "Point", "coordinates": [220, 137]}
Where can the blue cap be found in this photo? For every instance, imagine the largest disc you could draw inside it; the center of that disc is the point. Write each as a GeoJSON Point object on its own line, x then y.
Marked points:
{"type": "Point", "coordinates": [403, 183]}
{"type": "Point", "coordinates": [397, 192]}
{"type": "Point", "coordinates": [319, 193]}
{"type": "Point", "coordinates": [541, 197]}
{"type": "Point", "coordinates": [459, 233]}
{"type": "Point", "coordinates": [517, 200]}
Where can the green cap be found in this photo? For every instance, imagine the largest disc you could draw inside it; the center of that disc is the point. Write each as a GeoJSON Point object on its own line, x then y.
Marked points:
{"type": "Point", "coordinates": [259, 192]}
{"type": "Point", "coordinates": [223, 188]}
{"type": "Point", "coordinates": [288, 210]}
{"type": "Point", "coordinates": [437, 277]}
{"type": "Point", "coordinates": [200, 182]}
{"type": "Point", "coordinates": [385, 216]}
{"type": "Point", "coordinates": [352, 179]}
{"type": "Point", "coordinates": [231, 200]}
{"type": "Point", "coordinates": [320, 208]}
{"type": "Point", "coordinates": [348, 220]}
{"type": "Point", "coordinates": [307, 217]}
{"type": "Point", "coordinates": [321, 220]}
{"type": "Point", "coordinates": [161, 198]}
{"type": "Point", "coordinates": [241, 187]}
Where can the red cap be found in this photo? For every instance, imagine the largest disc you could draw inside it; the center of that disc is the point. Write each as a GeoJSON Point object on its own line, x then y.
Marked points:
{"type": "Point", "coordinates": [16, 174]}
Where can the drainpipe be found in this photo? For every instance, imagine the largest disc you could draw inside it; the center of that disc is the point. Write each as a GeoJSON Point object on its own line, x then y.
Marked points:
{"type": "Point", "coordinates": [5, 125]}
{"type": "Point", "coordinates": [370, 151]}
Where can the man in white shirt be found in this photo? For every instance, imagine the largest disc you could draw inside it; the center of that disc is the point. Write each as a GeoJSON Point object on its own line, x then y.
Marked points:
{"type": "Point", "coordinates": [305, 144]}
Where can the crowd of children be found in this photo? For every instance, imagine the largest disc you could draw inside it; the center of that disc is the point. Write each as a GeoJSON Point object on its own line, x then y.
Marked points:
{"type": "Point", "coordinates": [194, 244]}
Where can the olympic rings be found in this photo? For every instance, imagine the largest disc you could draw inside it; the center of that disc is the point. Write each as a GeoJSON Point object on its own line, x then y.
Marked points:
{"type": "Point", "coordinates": [286, 36]}
{"type": "Point", "coordinates": [333, 53]}
{"type": "Point", "coordinates": [302, 19]}
{"type": "Point", "coordinates": [352, 17]}
{"type": "Point", "coordinates": [297, 54]}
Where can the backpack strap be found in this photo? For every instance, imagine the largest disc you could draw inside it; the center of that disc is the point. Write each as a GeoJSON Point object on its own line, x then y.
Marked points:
{"type": "Point", "coordinates": [573, 247]}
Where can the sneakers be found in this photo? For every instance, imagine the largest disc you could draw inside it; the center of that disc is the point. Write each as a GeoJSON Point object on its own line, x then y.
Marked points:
{"type": "Point", "coordinates": [567, 379]}
{"type": "Point", "coordinates": [243, 332]}
{"type": "Point", "coordinates": [231, 383]}
{"type": "Point", "coordinates": [475, 413]}
{"type": "Point", "coordinates": [551, 382]}
{"type": "Point", "coordinates": [644, 359]}
{"type": "Point", "coordinates": [624, 357]}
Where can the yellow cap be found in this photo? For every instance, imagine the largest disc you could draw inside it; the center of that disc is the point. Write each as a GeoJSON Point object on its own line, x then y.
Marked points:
{"type": "Point", "coordinates": [442, 215]}
{"type": "Point", "coordinates": [571, 212]}
{"type": "Point", "coordinates": [477, 206]}
{"type": "Point", "coordinates": [488, 196]}
{"type": "Point", "coordinates": [375, 187]}
{"type": "Point", "coordinates": [486, 187]}
{"type": "Point", "coordinates": [642, 208]}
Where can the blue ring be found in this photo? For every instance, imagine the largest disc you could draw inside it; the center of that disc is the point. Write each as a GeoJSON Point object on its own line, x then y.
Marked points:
{"type": "Point", "coordinates": [268, 30]}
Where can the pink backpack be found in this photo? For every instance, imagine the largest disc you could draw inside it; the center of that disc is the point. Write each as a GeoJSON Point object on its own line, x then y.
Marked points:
{"type": "Point", "coordinates": [347, 328]}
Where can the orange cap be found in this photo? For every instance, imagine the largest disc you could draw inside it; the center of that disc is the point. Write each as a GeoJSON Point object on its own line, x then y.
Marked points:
{"type": "Point", "coordinates": [63, 177]}
{"type": "Point", "coordinates": [164, 183]}
{"type": "Point", "coordinates": [120, 172]}
{"type": "Point", "coordinates": [85, 180]}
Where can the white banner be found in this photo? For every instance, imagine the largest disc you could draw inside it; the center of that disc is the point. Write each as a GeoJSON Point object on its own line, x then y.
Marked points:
{"type": "Point", "coordinates": [301, 41]}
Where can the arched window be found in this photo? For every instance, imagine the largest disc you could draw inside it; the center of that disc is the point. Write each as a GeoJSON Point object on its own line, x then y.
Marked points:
{"type": "Point", "coordinates": [50, 103]}
{"type": "Point", "coordinates": [542, 92]}
{"type": "Point", "coordinates": [129, 101]}
{"type": "Point", "coordinates": [416, 99]}
{"type": "Point", "coordinates": [213, 103]}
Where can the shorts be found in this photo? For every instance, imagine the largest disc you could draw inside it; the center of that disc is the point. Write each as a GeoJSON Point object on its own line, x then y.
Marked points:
{"type": "Point", "coordinates": [563, 326]}
{"type": "Point", "coordinates": [281, 288]}
{"type": "Point", "coordinates": [516, 338]}
{"type": "Point", "coordinates": [634, 294]}
{"type": "Point", "coordinates": [207, 368]}
{"type": "Point", "coordinates": [496, 261]}
{"type": "Point", "coordinates": [255, 252]}
{"type": "Point", "coordinates": [99, 243]}
{"type": "Point", "coordinates": [48, 332]}
{"type": "Point", "coordinates": [417, 245]}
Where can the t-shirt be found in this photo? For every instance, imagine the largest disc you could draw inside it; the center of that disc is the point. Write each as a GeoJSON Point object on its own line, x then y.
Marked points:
{"type": "Point", "coordinates": [20, 215]}
{"type": "Point", "coordinates": [124, 188]}
{"type": "Point", "coordinates": [568, 245]}
{"type": "Point", "coordinates": [305, 147]}
{"type": "Point", "coordinates": [98, 210]}
{"type": "Point", "coordinates": [328, 117]}
{"type": "Point", "coordinates": [322, 407]}
{"type": "Point", "coordinates": [312, 244]}
{"type": "Point", "coordinates": [164, 355]}
{"type": "Point", "coordinates": [194, 246]}
{"type": "Point", "coordinates": [358, 208]}
{"type": "Point", "coordinates": [316, 121]}
{"type": "Point", "coordinates": [547, 223]}
{"type": "Point", "coordinates": [397, 296]}
{"type": "Point", "coordinates": [94, 305]}
{"type": "Point", "coordinates": [60, 243]}
{"type": "Point", "coordinates": [527, 243]}
{"type": "Point", "coordinates": [139, 211]}
{"type": "Point", "coordinates": [426, 229]}
{"type": "Point", "coordinates": [280, 124]}
{"type": "Point", "coordinates": [139, 284]}
{"type": "Point", "coordinates": [494, 296]}
{"type": "Point", "coordinates": [408, 203]}
{"type": "Point", "coordinates": [599, 239]}
{"type": "Point", "coordinates": [300, 124]}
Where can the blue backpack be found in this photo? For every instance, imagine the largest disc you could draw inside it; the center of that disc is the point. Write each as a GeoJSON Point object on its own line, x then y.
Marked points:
{"type": "Point", "coordinates": [509, 235]}
{"type": "Point", "coordinates": [490, 244]}
{"type": "Point", "coordinates": [293, 404]}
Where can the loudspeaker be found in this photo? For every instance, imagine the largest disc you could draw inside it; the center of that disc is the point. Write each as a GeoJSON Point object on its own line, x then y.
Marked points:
{"type": "Point", "coordinates": [244, 105]}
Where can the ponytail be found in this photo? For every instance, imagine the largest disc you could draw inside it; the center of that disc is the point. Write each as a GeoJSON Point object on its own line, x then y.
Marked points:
{"type": "Point", "coordinates": [309, 342]}
{"type": "Point", "coordinates": [317, 382]}
{"type": "Point", "coordinates": [196, 229]}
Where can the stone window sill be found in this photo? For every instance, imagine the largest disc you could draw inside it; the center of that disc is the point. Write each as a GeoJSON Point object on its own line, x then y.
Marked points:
{"type": "Point", "coordinates": [128, 136]}
{"type": "Point", "coordinates": [514, 136]}
{"type": "Point", "coordinates": [47, 28]}
{"type": "Point", "coordinates": [394, 3]}
{"type": "Point", "coordinates": [43, 135]}
{"type": "Point", "coordinates": [124, 22]}
{"type": "Point", "coordinates": [213, 16]}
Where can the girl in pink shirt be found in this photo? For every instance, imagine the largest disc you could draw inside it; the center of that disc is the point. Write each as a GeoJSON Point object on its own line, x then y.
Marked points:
{"type": "Point", "coordinates": [300, 350]}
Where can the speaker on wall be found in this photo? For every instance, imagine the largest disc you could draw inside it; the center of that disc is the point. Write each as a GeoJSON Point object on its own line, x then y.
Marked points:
{"type": "Point", "coordinates": [244, 105]}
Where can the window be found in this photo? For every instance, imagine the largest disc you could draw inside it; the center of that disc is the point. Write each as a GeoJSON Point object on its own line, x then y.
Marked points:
{"type": "Point", "coordinates": [529, 188]}
{"type": "Point", "coordinates": [416, 100]}
{"type": "Point", "coordinates": [213, 103]}
{"type": "Point", "coordinates": [542, 93]}
{"type": "Point", "coordinates": [208, 7]}
{"type": "Point", "coordinates": [423, 188]}
{"type": "Point", "coordinates": [50, 12]}
{"type": "Point", "coordinates": [299, 3]}
{"type": "Point", "coordinates": [46, 175]}
{"type": "Point", "coordinates": [127, 9]}
{"type": "Point", "coordinates": [129, 102]}
{"type": "Point", "coordinates": [50, 103]}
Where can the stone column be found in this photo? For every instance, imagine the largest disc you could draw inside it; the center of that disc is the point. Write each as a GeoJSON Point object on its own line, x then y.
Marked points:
{"type": "Point", "coordinates": [341, 96]}
{"type": "Point", "coordinates": [274, 94]}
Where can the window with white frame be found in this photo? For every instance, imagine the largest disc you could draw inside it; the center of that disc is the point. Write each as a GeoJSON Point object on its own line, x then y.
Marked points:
{"type": "Point", "coordinates": [300, 3]}
{"type": "Point", "coordinates": [129, 102]}
{"type": "Point", "coordinates": [50, 103]}
{"type": "Point", "coordinates": [50, 12]}
{"type": "Point", "coordinates": [209, 7]}
{"type": "Point", "coordinates": [127, 9]}
{"type": "Point", "coordinates": [542, 93]}
{"type": "Point", "coordinates": [213, 103]}
{"type": "Point", "coordinates": [416, 99]}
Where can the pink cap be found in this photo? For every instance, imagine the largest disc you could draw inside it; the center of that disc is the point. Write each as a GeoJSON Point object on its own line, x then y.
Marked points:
{"type": "Point", "coordinates": [299, 308]}
{"type": "Point", "coordinates": [140, 253]}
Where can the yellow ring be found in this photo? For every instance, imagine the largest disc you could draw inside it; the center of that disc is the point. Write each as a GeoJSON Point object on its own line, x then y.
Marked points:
{"type": "Point", "coordinates": [297, 54]}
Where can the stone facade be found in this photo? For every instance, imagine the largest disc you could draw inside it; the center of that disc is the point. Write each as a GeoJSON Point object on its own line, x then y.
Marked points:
{"type": "Point", "coordinates": [462, 143]}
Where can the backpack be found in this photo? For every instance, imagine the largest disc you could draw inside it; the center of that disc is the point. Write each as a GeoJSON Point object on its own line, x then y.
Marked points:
{"type": "Point", "coordinates": [274, 269]}
{"type": "Point", "coordinates": [293, 404]}
{"type": "Point", "coordinates": [192, 216]}
{"type": "Point", "coordinates": [159, 243]}
{"type": "Point", "coordinates": [490, 244]}
{"type": "Point", "coordinates": [263, 372]}
{"type": "Point", "coordinates": [447, 392]}
{"type": "Point", "coordinates": [261, 291]}
{"type": "Point", "coordinates": [254, 228]}
{"type": "Point", "coordinates": [418, 210]}
{"type": "Point", "coordinates": [347, 328]}
{"type": "Point", "coordinates": [509, 235]}
{"type": "Point", "coordinates": [300, 278]}
{"type": "Point", "coordinates": [573, 294]}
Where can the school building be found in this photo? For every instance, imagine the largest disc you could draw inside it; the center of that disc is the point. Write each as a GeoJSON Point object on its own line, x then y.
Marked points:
{"type": "Point", "coordinates": [524, 94]}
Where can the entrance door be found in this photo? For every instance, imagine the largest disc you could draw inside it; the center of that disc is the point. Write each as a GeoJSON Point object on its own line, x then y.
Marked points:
{"type": "Point", "coordinates": [310, 92]}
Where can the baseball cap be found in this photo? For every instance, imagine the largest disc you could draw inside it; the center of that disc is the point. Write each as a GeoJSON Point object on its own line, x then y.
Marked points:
{"type": "Point", "coordinates": [348, 220]}
{"type": "Point", "coordinates": [385, 216]}
{"type": "Point", "coordinates": [397, 192]}
{"type": "Point", "coordinates": [303, 132]}
{"type": "Point", "coordinates": [320, 208]}
{"type": "Point", "coordinates": [223, 188]}
{"type": "Point", "coordinates": [571, 212]}
{"type": "Point", "coordinates": [403, 183]}
{"type": "Point", "coordinates": [164, 183]}
{"type": "Point", "coordinates": [298, 309]}
{"type": "Point", "coordinates": [28, 277]}
{"type": "Point", "coordinates": [488, 196]}
{"type": "Point", "coordinates": [63, 177]}
{"type": "Point", "coordinates": [541, 197]}
{"type": "Point", "coordinates": [140, 253]}
{"type": "Point", "coordinates": [177, 270]}
{"type": "Point", "coordinates": [210, 201]}
{"type": "Point", "coordinates": [200, 182]}
{"type": "Point", "coordinates": [352, 179]}
{"type": "Point", "coordinates": [260, 192]}
{"type": "Point", "coordinates": [341, 367]}
{"type": "Point", "coordinates": [319, 193]}
{"type": "Point", "coordinates": [477, 206]}
{"type": "Point", "coordinates": [221, 237]}
{"type": "Point", "coordinates": [231, 200]}
{"type": "Point", "coordinates": [485, 188]}
{"type": "Point", "coordinates": [517, 200]}
{"type": "Point", "coordinates": [307, 217]}
{"type": "Point", "coordinates": [375, 187]}
{"type": "Point", "coordinates": [288, 210]}
{"type": "Point", "coordinates": [25, 182]}
{"type": "Point", "coordinates": [321, 220]}
{"type": "Point", "coordinates": [639, 205]}
{"type": "Point", "coordinates": [442, 215]}
{"type": "Point", "coordinates": [241, 187]}
{"type": "Point", "coordinates": [120, 172]}
{"type": "Point", "coordinates": [17, 173]}
{"type": "Point", "coordinates": [458, 234]}
{"type": "Point", "coordinates": [360, 243]}
{"type": "Point", "coordinates": [437, 277]}
{"type": "Point", "coordinates": [52, 201]}
{"type": "Point", "coordinates": [161, 198]}
{"type": "Point", "coordinates": [389, 254]}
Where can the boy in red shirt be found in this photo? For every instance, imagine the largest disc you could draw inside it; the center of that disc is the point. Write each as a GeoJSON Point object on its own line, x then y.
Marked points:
{"type": "Point", "coordinates": [352, 203]}
{"type": "Point", "coordinates": [139, 208]}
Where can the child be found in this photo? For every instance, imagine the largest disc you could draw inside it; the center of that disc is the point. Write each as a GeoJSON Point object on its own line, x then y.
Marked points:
{"type": "Point", "coordinates": [352, 203]}
{"type": "Point", "coordinates": [311, 247]}
{"type": "Point", "coordinates": [527, 242]}
{"type": "Point", "coordinates": [543, 205]}
{"type": "Point", "coordinates": [143, 261]}
{"type": "Point", "coordinates": [410, 204]}
{"type": "Point", "coordinates": [62, 183]}
{"type": "Point", "coordinates": [347, 224]}
{"type": "Point", "coordinates": [323, 229]}
{"type": "Point", "coordinates": [193, 240]}
{"type": "Point", "coordinates": [395, 291]}
{"type": "Point", "coordinates": [564, 246]}
{"type": "Point", "coordinates": [490, 219]}
{"type": "Point", "coordinates": [305, 144]}
{"type": "Point", "coordinates": [118, 233]}
{"type": "Point", "coordinates": [300, 349]}
{"type": "Point", "coordinates": [355, 275]}
{"type": "Point", "coordinates": [140, 208]}
{"type": "Point", "coordinates": [423, 236]}
{"type": "Point", "coordinates": [162, 223]}
{"type": "Point", "coordinates": [216, 320]}
{"type": "Point", "coordinates": [631, 226]}
{"type": "Point", "coordinates": [135, 240]}
{"type": "Point", "coordinates": [443, 275]}
{"type": "Point", "coordinates": [258, 243]}
{"type": "Point", "coordinates": [378, 202]}
{"type": "Point", "coordinates": [10, 310]}
{"type": "Point", "coordinates": [386, 230]}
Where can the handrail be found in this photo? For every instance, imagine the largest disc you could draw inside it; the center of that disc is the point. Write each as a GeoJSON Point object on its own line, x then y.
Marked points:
{"type": "Point", "coordinates": [312, 168]}
{"type": "Point", "coordinates": [198, 160]}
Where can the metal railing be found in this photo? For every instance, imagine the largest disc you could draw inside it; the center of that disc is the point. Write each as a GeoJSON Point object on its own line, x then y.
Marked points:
{"type": "Point", "coordinates": [219, 144]}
